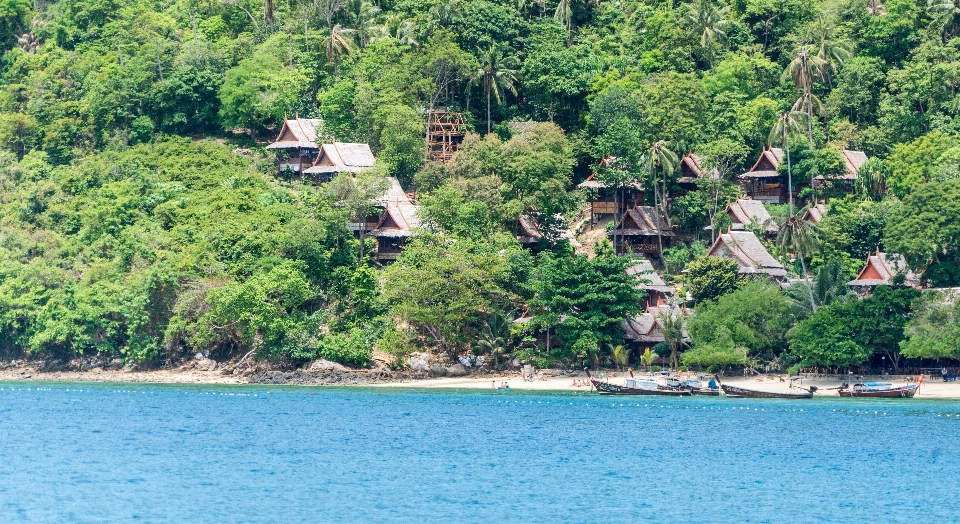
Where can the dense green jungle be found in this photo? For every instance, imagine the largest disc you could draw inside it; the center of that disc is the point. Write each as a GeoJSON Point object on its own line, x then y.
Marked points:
{"type": "Point", "coordinates": [142, 218]}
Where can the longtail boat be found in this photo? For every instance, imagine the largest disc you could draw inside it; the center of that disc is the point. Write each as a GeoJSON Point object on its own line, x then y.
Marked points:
{"type": "Point", "coordinates": [606, 388]}
{"type": "Point", "coordinates": [735, 392]}
{"type": "Point", "coordinates": [879, 390]}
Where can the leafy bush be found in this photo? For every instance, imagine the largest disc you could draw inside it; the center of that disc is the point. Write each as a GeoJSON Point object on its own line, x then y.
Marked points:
{"type": "Point", "coordinates": [350, 349]}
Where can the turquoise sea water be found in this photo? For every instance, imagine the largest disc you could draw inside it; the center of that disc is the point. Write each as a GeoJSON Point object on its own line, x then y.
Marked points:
{"type": "Point", "coordinates": [152, 453]}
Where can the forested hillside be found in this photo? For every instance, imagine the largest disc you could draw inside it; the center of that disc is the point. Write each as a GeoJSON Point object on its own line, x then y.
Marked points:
{"type": "Point", "coordinates": [141, 216]}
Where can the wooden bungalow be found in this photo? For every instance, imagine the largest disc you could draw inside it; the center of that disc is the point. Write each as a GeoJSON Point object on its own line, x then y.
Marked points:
{"type": "Point", "coordinates": [398, 222]}
{"type": "Point", "coordinates": [881, 270]}
{"type": "Point", "coordinates": [646, 329]}
{"type": "Point", "coordinates": [852, 161]}
{"type": "Point", "coordinates": [340, 157]}
{"type": "Point", "coordinates": [763, 182]}
{"type": "Point", "coordinates": [746, 249]}
{"type": "Point", "coordinates": [658, 292]}
{"type": "Point", "coordinates": [531, 235]}
{"type": "Point", "coordinates": [745, 212]}
{"type": "Point", "coordinates": [606, 199]}
{"type": "Point", "coordinates": [640, 231]}
{"type": "Point", "coordinates": [691, 169]}
{"type": "Point", "coordinates": [296, 145]}
{"type": "Point", "coordinates": [814, 213]}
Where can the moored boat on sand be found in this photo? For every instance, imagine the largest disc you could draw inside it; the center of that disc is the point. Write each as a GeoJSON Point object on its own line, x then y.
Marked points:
{"type": "Point", "coordinates": [637, 386]}
{"type": "Point", "coordinates": [879, 390]}
{"type": "Point", "coordinates": [735, 392]}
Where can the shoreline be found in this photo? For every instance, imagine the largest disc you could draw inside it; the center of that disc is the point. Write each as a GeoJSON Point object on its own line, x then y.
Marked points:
{"type": "Point", "coordinates": [933, 388]}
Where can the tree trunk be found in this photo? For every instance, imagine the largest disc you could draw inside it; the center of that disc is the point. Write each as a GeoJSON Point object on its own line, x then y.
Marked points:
{"type": "Point", "coordinates": [488, 110]}
{"type": "Point", "coordinates": [803, 264]}
{"type": "Point", "coordinates": [786, 143]}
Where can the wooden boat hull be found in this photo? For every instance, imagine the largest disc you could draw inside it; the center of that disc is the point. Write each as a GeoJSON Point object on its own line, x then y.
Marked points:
{"type": "Point", "coordinates": [903, 392]}
{"type": "Point", "coordinates": [605, 388]}
{"type": "Point", "coordinates": [706, 392]}
{"type": "Point", "coordinates": [735, 392]}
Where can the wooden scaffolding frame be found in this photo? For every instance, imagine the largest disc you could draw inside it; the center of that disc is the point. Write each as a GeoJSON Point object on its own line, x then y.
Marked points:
{"type": "Point", "coordinates": [445, 131]}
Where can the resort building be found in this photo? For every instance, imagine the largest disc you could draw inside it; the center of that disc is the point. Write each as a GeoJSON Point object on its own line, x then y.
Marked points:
{"type": "Point", "coordinates": [296, 145]}
{"type": "Point", "coordinates": [883, 269]}
{"type": "Point", "coordinates": [746, 213]}
{"type": "Point", "coordinates": [691, 169]}
{"type": "Point", "coordinates": [641, 230]}
{"type": "Point", "coordinates": [607, 198]}
{"type": "Point", "coordinates": [852, 161]}
{"type": "Point", "coordinates": [398, 222]}
{"type": "Point", "coordinates": [531, 235]}
{"type": "Point", "coordinates": [340, 157]}
{"type": "Point", "coordinates": [763, 182]}
{"type": "Point", "coordinates": [746, 249]}
{"type": "Point", "coordinates": [646, 329]}
{"type": "Point", "coordinates": [658, 292]}
{"type": "Point", "coordinates": [815, 213]}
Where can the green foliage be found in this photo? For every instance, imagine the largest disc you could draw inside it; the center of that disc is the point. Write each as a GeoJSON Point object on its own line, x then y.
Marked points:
{"type": "Point", "coordinates": [926, 227]}
{"type": "Point", "coordinates": [750, 322]}
{"type": "Point", "coordinates": [403, 142]}
{"type": "Point", "coordinates": [583, 300]}
{"type": "Point", "coordinates": [848, 333]}
{"type": "Point", "coordinates": [933, 330]}
{"type": "Point", "coordinates": [351, 349]}
{"type": "Point", "coordinates": [712, 277]}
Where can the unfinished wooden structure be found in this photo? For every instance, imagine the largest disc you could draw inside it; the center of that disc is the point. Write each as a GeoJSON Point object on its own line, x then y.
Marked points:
{"type": "Point", "coordinates": [445, 131]}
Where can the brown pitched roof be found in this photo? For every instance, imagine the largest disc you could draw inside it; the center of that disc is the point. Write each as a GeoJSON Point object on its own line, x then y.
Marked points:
{"type": "Point", "coordinates": [641, 221]}
{"type": "Point", "coordinates": [748, 251]}
{"type": "Point", "coordinates": [648, 326]}
{"type": "Point", "coordinates": [815, 213]}
{"type": "Point", "coordinates": [766, 165]}
{"type": "Point", "coordinates": [533, 233]}
{"type": "Point", "coordinates": [648, 278]}
{"type": "Point", "coordinates": [691, 168]}
{"type": "Point", "coordinates": [852, 162]}
{"type": "Point", "coordinates": [299, 132]}
{"type": "Point", "coordinates": [341, 157]}
{"type": "Point", "coordinates": [745, 211]}
{"type": "Point", "coordinates": [400, 217]}
{"type": "Point", "coordinates": [881, 267]}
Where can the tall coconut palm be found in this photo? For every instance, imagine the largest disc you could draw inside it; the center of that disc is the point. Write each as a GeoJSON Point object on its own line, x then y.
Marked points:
{"type": "Point", "coordinates": [564, 15]}
{"type": "Point", "coordinates": [798, 236]}
{"type": "Point", "coordinates": [660, 162]}
{"type": "Point", "coordinates": [832, 51]}
{"type": "Point", "coordinates": [787, 123]}
{"type": "Point", "coordinates": [709, 22]}
{"type": "Point", "coordinates": [803, 69]}
{"type": "Point", "coordinates": [338, 42]}
{"type": "Point", "coordinates": [362, 14]}
{"type": "Point", "coordinates": [497, 73]}
{"type": "Point", "coordinates": [946, 17]}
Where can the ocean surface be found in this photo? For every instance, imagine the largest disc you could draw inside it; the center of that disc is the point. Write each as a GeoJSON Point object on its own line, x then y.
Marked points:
{"type": "Point", "coordinates": [165, 453]}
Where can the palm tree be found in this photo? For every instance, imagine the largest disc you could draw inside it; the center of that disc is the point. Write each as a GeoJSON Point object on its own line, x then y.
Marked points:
{"type": "Point", "coordinates": [805, 66]}
{"type": "Point", "coordinates": [399, 29]}
{"type": "Point", "coordinates": [703, 18]}
{"type": "Point", "coordinates": [946, 17]}
{"type": "Point", "coordinates": [788, 122]}
{"type": "Point", "coordinates": [872, 180]}
{"type": "Point", "coordinates": [647, 358]}
{"type": "Point", "coordinates": [445, 13]}
{"type": "Point", "coordinates": [495, 337]}
{"type": "Point", "coordinates": [834, 53]}
{"type": "Point", "coordinates": [564, 15]}
{"type": "Point", "coordinates": [497, 74]}
{"type": "Point", "coordinates": [620, 355]}
{"type": "Point", "coordinates": [660, 159]}
{"type": "Point", "coordinates": [797, 236]}
{"type": "Point", "coordinates": [362, 14]}
{"type": "Point", "coordinates": [337, 43]}
{"type": "Point", "coordinates": [672, 328]}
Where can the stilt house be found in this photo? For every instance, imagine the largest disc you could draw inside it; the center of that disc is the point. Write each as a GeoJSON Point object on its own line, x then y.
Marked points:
{"type": "Point", "coordinates": [641, 230]}
{"type": "Point", "coordinates": [746, 249]}
{"type": "Point", "coordinates": [340, 157]}
{"type": "Point", "coordinates": [296, 145]}
{"type": "Point", "coordinates": [763, 182]}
